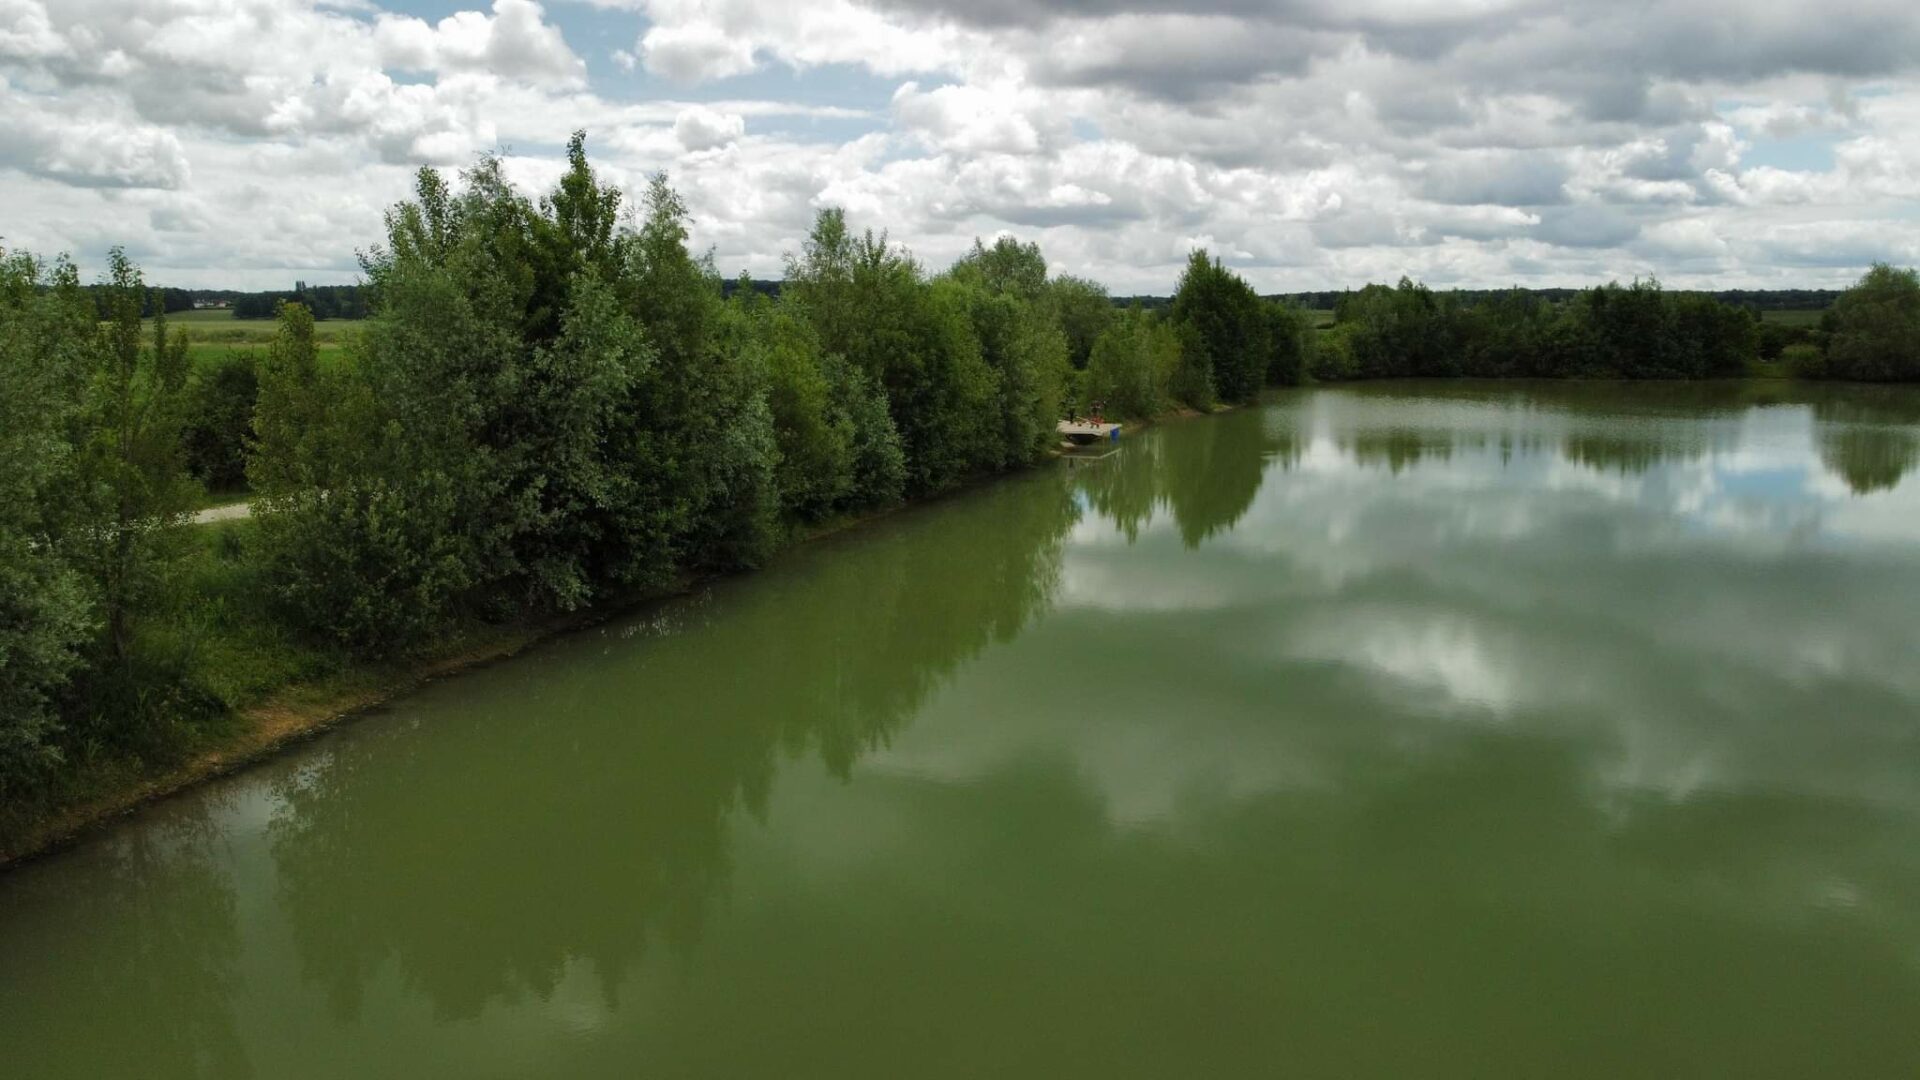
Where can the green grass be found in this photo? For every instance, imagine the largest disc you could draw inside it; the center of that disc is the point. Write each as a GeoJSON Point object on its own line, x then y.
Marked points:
{"type": "Point", "coordinates": [214, 335]}
{"type": "Point", "coordinates": [240, 651]}
{"type": "Point", "coordinates": [220, 649]}
{"type": "Point", "coordinates": [201, 354]}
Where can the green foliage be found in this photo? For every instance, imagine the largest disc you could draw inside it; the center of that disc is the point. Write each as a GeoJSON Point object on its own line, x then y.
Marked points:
{"type": "Point", "coordinates": [1230, 329]}
{"type": "Point", "coordinates": [1637, 331]}
{"type": "Point", "coordinates": [871, 304]}
{"type": "Point", "coordinates": [132, 490]}
{"type": "Point", "coordinates": [1132, 368]}
{"type": "Point", "coordinates": [707, 496]}
{"type": "Point", "coordinates": [220, 403]}
{"type": "Point", "coordinates": [1330, 356]}
{"type": "Point", "coordinates": [1192, 382]}
{"type": "Point", "coordinates": [1288, 333]}
{"type": "Point", "coordinates": [1777, 335]}
{"type": "Point", "coordinates": [1008, 302]}
{"type": "Point", "coordinates": [1804, 361]}
{"type": "Point", "coordinates": [837, 448]}
{"type": "Point", "coordinates": [460, 465]}
{"type": "Point", "coordinates": [1399, 331]}
{"type": "Point", "coordinates": [46, 322]}
{"type": "Point", "coordinates": [1008, 268]}
{"type": "Point", "coordinates": [1085, 311]}
{"type": "Point", "coordinates": [1875, 328]}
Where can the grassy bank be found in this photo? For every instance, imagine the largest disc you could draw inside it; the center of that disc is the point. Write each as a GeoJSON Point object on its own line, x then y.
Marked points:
{"type": "Point", "coordinates": [272, 688]}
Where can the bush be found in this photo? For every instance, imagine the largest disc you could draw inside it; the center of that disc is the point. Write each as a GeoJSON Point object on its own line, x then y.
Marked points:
{"type": "Point", "coordinates": [219, 421]}
{"type": "Point", "coordinates": [1132, 367]}
{"type": "Point", "coordinates": [1804, 361]}
{"type": "Point", "coordinates": [1330, 357]}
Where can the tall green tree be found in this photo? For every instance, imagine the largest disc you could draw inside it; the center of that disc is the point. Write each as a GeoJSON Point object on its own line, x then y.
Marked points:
{"type": "Point", "coordinates": [703, 424]}
{"type": "Point", "coordinates": [46, 617]}
{"type": "Point", "coordinates": [1009, 304]}
{"type": "Point", "coordinates": [1132, 367]}
{"type": "Point", "coordinates": [1229, 326]}
{"type": "Point", "coordinates": [132, 486]}
{"type": "Point", "coordinates": [1287, 343]}
{"type": "Point", "coordinates": [460, 464]}
{"type": "Point", "coordinates": [870, 303]}
{"type": "Point", "coordinates": [1084, 310]}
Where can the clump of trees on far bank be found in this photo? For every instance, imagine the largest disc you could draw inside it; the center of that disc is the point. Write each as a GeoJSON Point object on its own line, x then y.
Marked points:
{"type": "Point", "coordinates": [1872, 333]}
{"type": "Point", "coordinates": [1637, 331]}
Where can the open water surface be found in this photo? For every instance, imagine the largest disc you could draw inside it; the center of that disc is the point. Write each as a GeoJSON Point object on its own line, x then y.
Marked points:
{"type": "Point", "coordinates": [1407, 730]}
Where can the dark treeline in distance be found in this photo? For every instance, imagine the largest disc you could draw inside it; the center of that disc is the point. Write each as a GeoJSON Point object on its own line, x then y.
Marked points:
{"type": "Point", "coordinates": [155, 301]}
{"type": "Point", "coordinates": [552, 405]}
{"type": "Point", "coordinates": [1635, 331]}
{"type": "Point", "coordinates": [1751, 299]}
{"type": "Point", "coordinates": [323, 301]}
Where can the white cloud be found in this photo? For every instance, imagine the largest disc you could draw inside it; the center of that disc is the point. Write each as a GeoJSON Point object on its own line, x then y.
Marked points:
{"type": "Point", "coordinates": [515, 42]}
{"type": "Point", "coordinates": [69, 146]}
{"type": "Point", "coordinates": [1314, 144]}
{"type": "Point", "coordinates": [700, 128]}
{"type": "Point", "coordinates": [696, 52]}
{"type": "Point", "coordinates": [976, 119]}
{"type": "Point", "coordinates": [26, 32]}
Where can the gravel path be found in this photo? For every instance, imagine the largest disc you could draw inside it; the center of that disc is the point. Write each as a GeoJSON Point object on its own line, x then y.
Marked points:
{"type": "Point", "coordinates": [230, 512]}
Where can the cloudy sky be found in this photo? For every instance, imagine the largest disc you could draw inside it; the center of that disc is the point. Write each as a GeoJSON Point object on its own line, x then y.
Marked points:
{"type": "Point", "coordinates": [1311, 143]}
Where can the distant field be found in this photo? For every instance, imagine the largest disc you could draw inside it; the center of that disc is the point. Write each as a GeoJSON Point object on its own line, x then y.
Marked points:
{"type": "Point", "coordinates": [1807, 317]}
{"type": "Point", "coordinates": [1320, 318]}
{"type": "Point", "coordinates": [213, 335]}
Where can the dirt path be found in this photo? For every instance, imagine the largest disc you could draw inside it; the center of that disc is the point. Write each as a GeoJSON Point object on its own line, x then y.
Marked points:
{"type": "Point", "coordinates": [230, 512]}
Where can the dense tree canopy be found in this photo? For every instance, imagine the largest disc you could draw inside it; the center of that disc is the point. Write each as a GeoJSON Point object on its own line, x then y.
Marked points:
{"type": "Point", "coordinates": [46, 328]}
{"type": "Point", "coordinates": [1873, 331]}
{"type": "Point", "coordinates": [1229, 326]}
{"type": "Point", "coordinates": [1637, 331]}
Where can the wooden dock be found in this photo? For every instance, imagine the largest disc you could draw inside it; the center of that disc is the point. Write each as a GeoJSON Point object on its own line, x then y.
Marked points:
{"type": "Point", "coordinates": [1085, 432]}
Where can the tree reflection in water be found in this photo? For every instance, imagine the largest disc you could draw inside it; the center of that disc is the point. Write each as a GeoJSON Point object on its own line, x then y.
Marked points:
{"type": "Point", "coordinates": [587, 817]}
{"type": "Point", "coordinates": [149, 989]}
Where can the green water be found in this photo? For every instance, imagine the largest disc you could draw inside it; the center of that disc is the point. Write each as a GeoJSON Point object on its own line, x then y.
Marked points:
{"type": "Point", "coordinates": [1535, 731]}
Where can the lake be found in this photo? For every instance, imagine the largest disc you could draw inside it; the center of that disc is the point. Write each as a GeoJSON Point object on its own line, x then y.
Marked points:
{"type": "Point", "coordinates": [1432, 729]}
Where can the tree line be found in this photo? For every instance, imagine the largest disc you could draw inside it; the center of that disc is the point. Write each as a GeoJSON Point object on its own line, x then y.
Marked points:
{"type": "Point", "coordinates": [1752, 299]}
{"type": "Point", "coordinates": [552, 404]}
{"type": "Point", "coordinates": [1618, 331]}
{"type": "Point", "coordinates": [556, 401]}
{"type": "Point", "coordinates": [1634, 331]}
{"type": "Point", "coordinates": [322, 301]}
